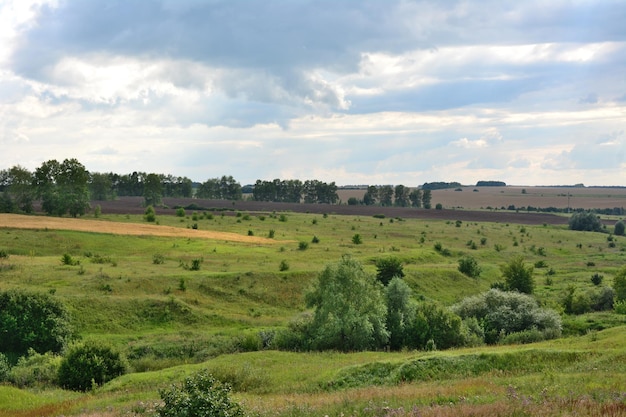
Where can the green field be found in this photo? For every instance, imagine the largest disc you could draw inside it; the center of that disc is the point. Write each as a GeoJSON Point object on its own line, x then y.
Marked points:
{"type": "Point", "coordinates": [171, 321]}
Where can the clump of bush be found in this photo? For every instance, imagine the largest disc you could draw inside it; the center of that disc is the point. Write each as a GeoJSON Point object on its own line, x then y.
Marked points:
{"type": "Point", "coordinates": [90, 364]}
{"type": "Point", "coordinates": [199, 395]}
{"type": "Point", "coordinates": [502, 313]}
{"type": "Point", "coordinates": [585, 221]}
{"type": "Point", "coordinates": [469, 266]}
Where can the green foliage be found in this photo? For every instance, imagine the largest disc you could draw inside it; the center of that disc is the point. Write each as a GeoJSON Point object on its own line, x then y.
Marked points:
{"type": "Point", "coordinates": [585, 221]}
{"type": "Point", "coordinates": [149, 214]}
{"type": "Point", "coordinates": [158, 259]}
{"type": "Point", "coordinates": [596, 279]}
{"type": "Point", "coordinates": [469, 266]}
{"type": "Point", "coordinates": [356, 239]}
{"type": "Point", "coordinates": [180, 212]}
{"type": "Point", "coordinates": [63, 187]}
{"type": "Point", "coordinates": [350, 311]}
{"type": "Point", "coordinates": [501, 313]}
{"type": "Point", "coordinates": [620, 228]}
{"type": "Point", "coordinates": [388, 268]}
{"type": "Point", "coordinates": [302, 245]}
{"type": "Point", "coordinates": [518, 277]}
{"type": "Point", "coordinates": [619, 284]}
{"type": "Point", "coordinates": [32, 321]}
{"type": "Point", "coordinates": [5, 367]}
{"type": "Point", "coordinates": [400, 311]}
{"type": "Point", "coordinates": [90, 364]}
{"type": "Point", "coordinates": [200, 395]}
{"type": "Point", "coordinates": [435, 322]}
{"type": "Point", "coordinates": [35, 370]}
{"type": "Point", "coordinates": [67, 259]}
{"type": "Point", "coordinates": [284, 266]}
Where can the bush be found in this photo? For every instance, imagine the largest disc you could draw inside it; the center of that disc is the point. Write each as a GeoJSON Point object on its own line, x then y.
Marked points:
{"type": "Point", "coordinates": [33, 321]}
{"type": "Point", "coordinates": [596, 279]}
{"type": "Point", "coordinates": [356, 239]}
{"type": "Point", "coordinates": [501, 313]}
{"type": "Point", "coordinates": [585, 221]}
{"type": "Point", "coordinates": [35, 370]}
{"type": "Point", "coordinates": [619, 284]}
{"type": "Point", "coordinates": [5, 367]}
{"type": "Point", "coordinates": [200, 395]}
{"type": "Point", "coordinates": [468, 266]}
{"type": "Point", "coordinates": [180, 212]}
{"type": "Point", "coordinates": [517, 277]}
{"type": "Point", "coordinates": [436, 323]}
{"type": "Point", "coordinates": [284, 266]}
{"type": "Point", "coordinates": [89, 364]}
{"type": "Point", "coordinates": [388, 268]}
{"type": "Point", "coordinates": [303, 245]}
{"type": "Point", "coordinates": [149, 215]}
{"type": "Point", "coordinates": [620, 228]}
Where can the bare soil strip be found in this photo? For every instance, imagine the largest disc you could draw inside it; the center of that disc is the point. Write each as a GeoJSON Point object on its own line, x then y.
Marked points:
{"type": "Point", "coordinates": [18, 221]}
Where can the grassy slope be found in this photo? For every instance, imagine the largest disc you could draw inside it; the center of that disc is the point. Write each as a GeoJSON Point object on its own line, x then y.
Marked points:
{"type": "Point", "coordinates": [239, 290]}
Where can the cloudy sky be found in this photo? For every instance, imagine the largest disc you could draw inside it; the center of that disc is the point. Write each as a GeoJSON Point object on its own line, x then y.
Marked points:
{"type": "Point", "coordinates": [358, 92]}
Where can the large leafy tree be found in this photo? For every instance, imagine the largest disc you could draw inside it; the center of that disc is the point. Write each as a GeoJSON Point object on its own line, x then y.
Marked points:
{"type": "Point", "coordinates": [400, 312]}
{"type": "Point", "coordinates": [585, 221]}
{"type": "Point", "coordinates": [350, 310]}
{"type": "Point", "coordinates": [63, 187]}
{"type": "Point", "coordinates": [152, 190]}
{"type": "Point", "coordinates": [19, 187]}
{"type": "Point", "coordinates": [32, 321]}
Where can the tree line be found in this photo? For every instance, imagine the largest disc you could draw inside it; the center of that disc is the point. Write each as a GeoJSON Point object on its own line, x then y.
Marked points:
{"type": "Point", "coordinates": [399, 196]}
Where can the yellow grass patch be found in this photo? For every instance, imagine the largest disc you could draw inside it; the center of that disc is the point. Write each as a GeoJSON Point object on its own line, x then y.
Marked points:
{"type": "Point", "coordinates": [136, 229]}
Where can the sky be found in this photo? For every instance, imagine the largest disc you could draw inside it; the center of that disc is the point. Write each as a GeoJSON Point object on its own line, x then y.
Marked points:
{"type": "Point", "coordinates": [357, 92]}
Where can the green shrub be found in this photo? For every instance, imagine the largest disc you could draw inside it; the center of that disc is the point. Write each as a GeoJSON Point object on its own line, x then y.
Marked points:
{"type": "Point", "coordinates": [284, 266]}
{"type": "Point", "coordinates": [303, 245]}
{"type": "Point", "coordinates": [585, 221]}
{"type": "Point", "coordinates": [67, 259]}
{"type": "Point", "coordinates": [518, 277]}
{"type": "Point", "coordinates": [33, 321]}
{"type": "Point", "coordinates": [315, 240]}
{"type": "Point", "coordinates": [200, 395]}
{"type": "Point", "coordinates": [388, 268]}
{"type": "Point", "coordinates": [356, 239]}
{"type": "Point", "coordinates": [158, 259]}
{"type": "Point", "coordinates": [180, 212]}
{"type": "Point", "coordinates": [5, 367]}
{"type": "Point", "coordinates": [619, 284]}
{"type": "Point", "coordinates": [89, 364]}
{"type": "Point", "coordinates": [469, 266]}
{"type": "Point", "coordinates": [620, 228]}
{"type": "Point", "coordinates": [149, 214]}
{"type": "Point", "coordinates": [501, 313]}
{"type": "Point", "coordinates": [620, 307]}
{"type": "Point", "coordinates": [596, 279]}
{"type": "Point", "coordinates": [36, 370]}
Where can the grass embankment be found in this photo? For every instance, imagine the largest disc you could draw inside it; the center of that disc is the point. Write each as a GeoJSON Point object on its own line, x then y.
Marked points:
{"type": "Point", "coordinates": [139, 293]}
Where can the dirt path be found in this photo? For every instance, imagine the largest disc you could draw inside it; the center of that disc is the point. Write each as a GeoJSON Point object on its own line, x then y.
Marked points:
{"type": "Point", "coordinates": [100, 226]}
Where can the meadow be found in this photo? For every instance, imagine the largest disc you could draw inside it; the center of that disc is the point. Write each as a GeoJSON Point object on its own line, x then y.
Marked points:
{"type": "Point", "coordinates": [175, 304]}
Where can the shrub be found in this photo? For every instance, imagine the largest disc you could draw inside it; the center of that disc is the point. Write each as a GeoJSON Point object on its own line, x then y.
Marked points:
{"type": "Point", "coordinates": [501, 313]}
{"type": "Point", "coordinates": [5, 367]}
{"type": "Point", "coordinates": [35, 370]}
{"type": "Point", "coordinates": [596, 279]}
{"type": "Point", "coordinates": [158, 259]}
{"type": "Point", "coordinates": [620, 228]}
{"type": "Point", "coordinates": [200, 395]}
{"type": "Point", "coordinates": [356, 239]}
{"type": "Point", "coordinates": [284, 266]}
{"type": "Point", "coordinates": [517, 277]}
{"type": "Point", "coordinates": [303, 245]}
{"type": "Point", "coordinates": [437, 323]}
{"type": "Point", "coordinates": [620, 307]}
{"type": "Point", "coordinates": [469, 266]}
{"type": "Point", "coordinates": [271, 233]}
{"type": "Point", "coordinates": [89, 364]}
{"type": "Point", "coordinates": [585, 221]}
{"type": "Point", "coordinates": [619, 284]}
{"type": "Point", "coordinates": [180, 212]}
{"type": "Point", "coordinates": [67, 259]}
{"type": "Point", "coordinates": [33, 320]}
{"type": "Point", "coordinates": [388, 268]}
{"type": "Point", "coordinates": [149, 215]}
{"type": "Point", "coordinates": [315, 240]}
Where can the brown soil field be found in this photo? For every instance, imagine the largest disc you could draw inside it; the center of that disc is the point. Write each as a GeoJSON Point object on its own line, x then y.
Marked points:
{"type": "Point", "coordinates": [100, 226]}
{"type": "Point", "coordinates": [133, 205]}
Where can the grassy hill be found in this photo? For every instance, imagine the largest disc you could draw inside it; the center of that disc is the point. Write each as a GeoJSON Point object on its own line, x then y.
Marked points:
{"type": "Point", "coordinates": [142, 294]}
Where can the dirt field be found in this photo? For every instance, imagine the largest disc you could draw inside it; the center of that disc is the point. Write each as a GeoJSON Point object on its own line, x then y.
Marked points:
{"type": "Point", "coordinates": [85, 225]}
{"type": "Point", "coordinates": [133, 205]}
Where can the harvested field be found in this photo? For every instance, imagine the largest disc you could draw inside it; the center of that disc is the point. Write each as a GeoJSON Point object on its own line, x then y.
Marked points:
{"type": "Point", "coordinates": [99, 226]}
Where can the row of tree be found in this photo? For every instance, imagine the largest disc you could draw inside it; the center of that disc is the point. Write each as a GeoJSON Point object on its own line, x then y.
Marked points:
{"type": "Point", "coordinates": [400, 196]}
{"type": "Point", "coordinates": [295, 191]}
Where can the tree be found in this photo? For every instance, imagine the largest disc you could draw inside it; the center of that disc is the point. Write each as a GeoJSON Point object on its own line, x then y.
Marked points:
{"type": "Point", "coordinates": [401, 196]}
{"type": "Point", "coordinates": [63, 187]}
{"type": "Point", "coordinates": [350, 311]}
{"type": "Point", "coordinates": [388, 268]}
{"type": "Point", "coordinates": [585, 221]}
{"type": "Point", "coordinates": [33, 321]}
{"type": "Point", "coordinates": [385, 195]}
{"type": "Point", "coordinates": [400, 312]}
{"type": "Point", "coordinates": [427, 197]}
{"type": "Point", "coordinates": [369, 199]}
{"type": "Point", "coordinates": [199, 395]}
{"type": "Point", "coordinates": [101, 186]}
{"type": "Point", "coordinates": [518, 277]}
{"type": "Point", "coordinates": [619, 284]}
{"type": "Point", "coordinates": [415, 196]}
{"type": "Point", "coordinates": [91, 363]}
{"type": "Point", "coordinates": [152, 192]}
{"type": "Point", "coordinates": [620, 228]}
{"type": "Point", "coordinates": [20, 188]}
{"type": "Point", "coordinates": [436, 323]}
